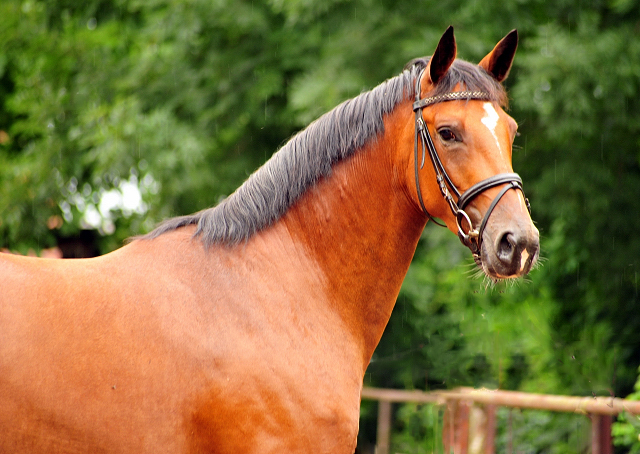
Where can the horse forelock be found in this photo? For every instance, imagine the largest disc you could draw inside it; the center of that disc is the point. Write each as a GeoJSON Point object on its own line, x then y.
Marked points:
{"type": "Point", "coordinates": [310, 155]}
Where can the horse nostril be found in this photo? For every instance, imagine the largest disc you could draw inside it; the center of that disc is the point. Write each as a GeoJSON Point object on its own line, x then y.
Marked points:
{"type": "Point", "coordinates": [514, 253]}
{"type": "Point", "coordinates": [507, 247]}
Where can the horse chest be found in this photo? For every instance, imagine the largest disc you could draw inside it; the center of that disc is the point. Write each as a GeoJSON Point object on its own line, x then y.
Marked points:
{"type": "Point", "coordinates": [269, 411]}
{"type": "Point", "coordinates": [280, 390]}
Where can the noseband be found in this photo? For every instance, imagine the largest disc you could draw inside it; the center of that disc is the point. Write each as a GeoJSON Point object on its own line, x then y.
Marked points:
{"type": "Point", "coordinates": [473, 237]}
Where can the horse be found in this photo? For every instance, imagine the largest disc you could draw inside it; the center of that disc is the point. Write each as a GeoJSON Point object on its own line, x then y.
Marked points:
{"type": "Point", "coordinates": [247, 327]}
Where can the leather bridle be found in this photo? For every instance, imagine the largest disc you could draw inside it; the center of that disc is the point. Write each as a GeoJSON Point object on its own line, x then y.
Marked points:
{"type": "Point", "coordinates": [472, 238]}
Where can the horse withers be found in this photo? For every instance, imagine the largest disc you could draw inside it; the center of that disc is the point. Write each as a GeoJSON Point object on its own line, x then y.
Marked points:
{"type": "Point", "coordinates": [247, 327]}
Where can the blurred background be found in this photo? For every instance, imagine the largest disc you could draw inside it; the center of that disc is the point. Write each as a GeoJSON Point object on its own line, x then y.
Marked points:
{"type": "Point", "coordinates": [117, 114]}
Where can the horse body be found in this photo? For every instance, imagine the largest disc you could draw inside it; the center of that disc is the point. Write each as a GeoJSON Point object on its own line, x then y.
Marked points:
{"type": "Point", "coordinates": [175, 344]}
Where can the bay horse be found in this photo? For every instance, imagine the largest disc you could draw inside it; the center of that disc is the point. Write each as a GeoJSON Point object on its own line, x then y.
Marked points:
{"type": "Point", "coordinates": [247, 327]}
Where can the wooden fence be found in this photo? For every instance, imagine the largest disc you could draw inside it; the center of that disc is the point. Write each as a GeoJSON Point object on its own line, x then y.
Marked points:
{"type": "Point", "coordinates": [470, 415]}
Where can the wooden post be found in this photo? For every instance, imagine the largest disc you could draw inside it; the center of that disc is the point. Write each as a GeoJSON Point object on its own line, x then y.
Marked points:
{"type": "Point", "coordinates": [477, 432]}
{"type": "Point", "coordinates": [490, 430]}
{"type": "Point", "coordinates": [384, 427]}
{"type": "Point", "coordinates": [455, 433]}
{"type": "Point", "coordinates": [462, 422]}
{"type": "Point", "coordinates": [482, 429]}
{"type": "Point", "coordinates": [601, 434]}
{"type": "Point", "coordinates": [448, 425]}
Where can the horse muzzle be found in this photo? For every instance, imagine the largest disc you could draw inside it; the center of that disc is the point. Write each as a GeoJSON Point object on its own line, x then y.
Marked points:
{"type": "Point", "coordinates": [510, 253]}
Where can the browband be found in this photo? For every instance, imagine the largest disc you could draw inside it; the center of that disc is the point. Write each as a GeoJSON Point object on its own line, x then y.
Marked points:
{"type": "Point", "coordinates": [453, 96]}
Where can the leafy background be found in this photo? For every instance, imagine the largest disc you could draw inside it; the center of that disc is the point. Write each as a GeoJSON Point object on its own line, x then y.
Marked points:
{"type": "Point", "coordinates": [116, 114]}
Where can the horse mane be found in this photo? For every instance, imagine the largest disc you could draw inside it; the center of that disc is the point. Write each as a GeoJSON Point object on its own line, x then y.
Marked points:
{"type": "Point", "coordinates": [310, 154]}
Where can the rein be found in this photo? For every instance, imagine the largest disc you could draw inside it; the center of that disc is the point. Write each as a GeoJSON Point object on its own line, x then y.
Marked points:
{"type": "Point", "coordinates": [473, 237]}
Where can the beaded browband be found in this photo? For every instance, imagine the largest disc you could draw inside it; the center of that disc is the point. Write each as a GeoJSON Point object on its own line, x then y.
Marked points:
{"type": "Point", "coordinates": [453, 96]}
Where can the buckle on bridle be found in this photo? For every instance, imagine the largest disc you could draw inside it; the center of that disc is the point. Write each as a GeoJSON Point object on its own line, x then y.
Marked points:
{"type": "Point", "coordinates": [470, 237]}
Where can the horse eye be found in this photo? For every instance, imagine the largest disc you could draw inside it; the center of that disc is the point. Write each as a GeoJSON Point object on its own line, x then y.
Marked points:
{"type": "Point", "coordinates": [447, 135]}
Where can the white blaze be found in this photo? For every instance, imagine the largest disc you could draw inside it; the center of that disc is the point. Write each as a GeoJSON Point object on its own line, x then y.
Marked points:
{"type": "Point", "coordinates": [491, 121]}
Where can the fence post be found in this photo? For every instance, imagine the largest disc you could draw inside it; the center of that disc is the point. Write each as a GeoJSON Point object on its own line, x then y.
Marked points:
{"type": "Point", "coordinates": [449, 425]}
{"type": "Point", "coordinates": [477, 434]}
{"type": "Point", "coordinates": [601, 434]}
{"type": "Point", "coordinates": [384, 427]}
{"type": "Point", "coordinates": [482, 428]}
{"type": "Point", "coordinates": [455, 429]}
{"type": "Point", "coordinates": [490, 429]}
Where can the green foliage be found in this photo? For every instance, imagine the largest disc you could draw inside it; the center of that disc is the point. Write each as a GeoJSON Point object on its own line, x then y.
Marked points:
{"type": "Point", "coordinates": [418, 429]}
{"type": "Point", "coordinates": [581, 96]}
{"type": "Point", "coordinates": [626, 430]}
{"type": "Point", "coordinates": [542, 432]}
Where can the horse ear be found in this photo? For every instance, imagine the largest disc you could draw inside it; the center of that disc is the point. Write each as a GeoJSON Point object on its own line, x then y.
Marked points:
{"type": "Point", "coordinates": [443, 57]}
{"type": "Point", "coordinates": [498, 61]}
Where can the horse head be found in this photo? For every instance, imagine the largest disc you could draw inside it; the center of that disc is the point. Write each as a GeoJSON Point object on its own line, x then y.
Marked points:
{"type": "Point", "coordinates": [461, 125]}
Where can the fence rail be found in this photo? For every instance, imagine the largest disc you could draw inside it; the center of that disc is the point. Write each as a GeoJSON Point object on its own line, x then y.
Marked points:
{"type": "Point", "coordinates": [470, 414]}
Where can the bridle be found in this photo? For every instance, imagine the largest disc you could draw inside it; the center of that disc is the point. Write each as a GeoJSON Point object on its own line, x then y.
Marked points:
{"type": "Point", "coordinates": [473, 237]}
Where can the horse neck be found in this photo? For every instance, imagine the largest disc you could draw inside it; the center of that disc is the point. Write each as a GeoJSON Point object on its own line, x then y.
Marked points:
{"type": "Point", "coordinates": [360, 227]}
